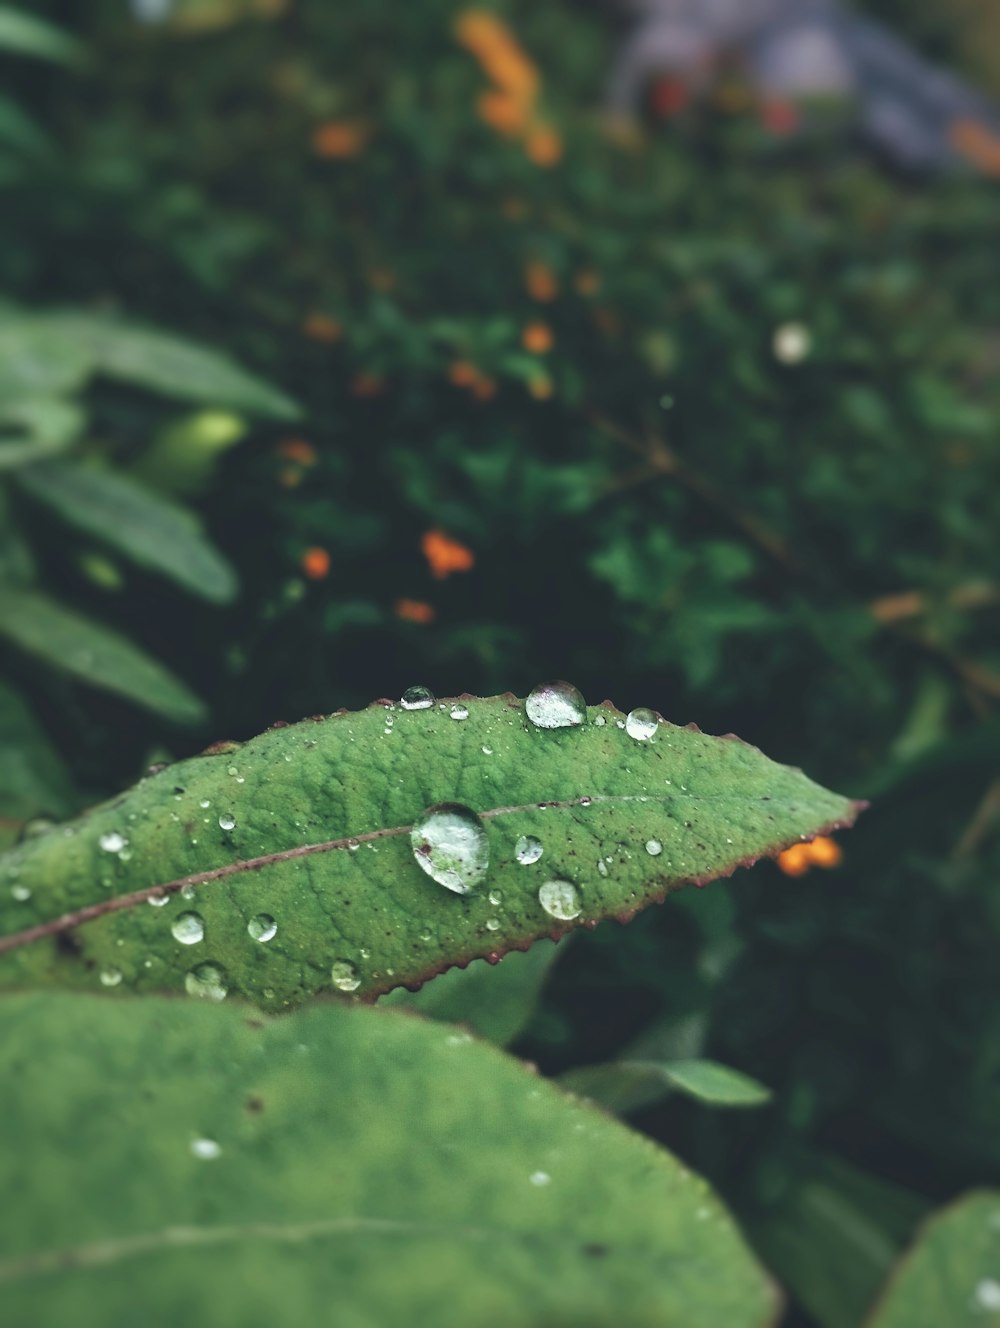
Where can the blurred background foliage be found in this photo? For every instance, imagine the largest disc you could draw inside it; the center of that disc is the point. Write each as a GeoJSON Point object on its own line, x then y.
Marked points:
{"type": "Point", "coordinates": [702, 415]}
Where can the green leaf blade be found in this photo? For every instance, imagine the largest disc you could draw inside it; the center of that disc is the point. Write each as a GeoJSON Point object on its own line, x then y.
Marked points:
{"type": "Point", "coordinates": [263, 1170]}
{"type": "Point", "coordinates": [24, 34]}
{"type": "Point", "coordinates": [154, 533]}
{"type": "Point", "coordinates": [629, 1085]}
{"type": "Point", "coordinates": [309, 824]}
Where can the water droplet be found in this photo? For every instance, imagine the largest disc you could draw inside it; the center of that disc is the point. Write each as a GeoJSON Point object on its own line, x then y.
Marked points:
{"type": "Point", "coordinates": [450, 845]}
{"type": "Point", "coordinates": [208, 981]}
{"type": "Point", "coordinates": [641, 724]}
{"type": "Point", "coordinates": [540, 1178]}
{"type": "Point", "coordinates": [110, 977]}
{"type": "Point", "coordinates": [987, 1295]}
{"type": "Point", "coordinates": [555, 705]}
{"type": "Point", "coordinates": [492, 924]}
{"type": "Point", "coordinates": [459, 712]}
{"type": "Point", "coordinates": [21, 893]}
{"type": "Point", "coordinates": [112, 841]}
{"type": "Point", "coordinates": [345, 976]}
{"type": "Point", "coordinates": [188, 928]}
{"type": "Point", "coordinates": [560, 899]}
{"type": "Point", "coordinates": [158, 901]}
{"type": "Point", "coordinates": [205, 1148]}
{"type": "Point", "coordinates": [602, 867]}
{"type": "Point", "coordinates": [232, 770]}
{"type": "Point", "coordinates": [227, 821]}
{"type": "Point", "coordinates": [495, 897]}
{"type": "Point", "coordinates": [36, 827]}
{"type": "Point", "coordinates": [600, 721]}
{"type": "Point", "coordinates": [486, 751]}
{"type": "Point", "coordinates": [187, 892]}
{"type": "Point", "coordinates": [654, 848]}
{"type": "Point", "coordinates": [417, 698]}
{"type": "Point", "coordinates": [527, 850]}
{"type": "Point", "coordinates": [205, 802]}
{"type": "Point", "coordinates": [263, 927]}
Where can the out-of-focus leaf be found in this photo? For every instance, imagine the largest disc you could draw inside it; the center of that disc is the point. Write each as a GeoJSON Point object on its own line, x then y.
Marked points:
{"type": "Point", "coordinates": [625, 1086]}
{"type": "Point", "coordinates": [33, 779]}
{"type": "Point", "coordinates": [39, 359]}
{"type": "Point", "coordinates": [496, 1000]}
{"type": "Point", "coordinates": [182, 456]}
{"type": "Point", "coordinates": [93, 653]}
{"type": "Point", "coordinates": [48, 426]}
{"type": "Point", "coordinates": [347, 1166]}
{"type": "Point", "coordinates": [153, 532]}
{"type": "Point", "coordinates": [952, 1274]}
{"type": "Point", "coordinates": [24, 34]}
{"type": "Point", "coordinates": [313, 825]}
{"type": "Point", "coordinates": [19, 131]}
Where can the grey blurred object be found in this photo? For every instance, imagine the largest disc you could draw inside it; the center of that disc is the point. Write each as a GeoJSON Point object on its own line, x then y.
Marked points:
{"type": "Point", "coordinates": [151, 11]}
{"type": "Point", "coordinates": [795, 50]}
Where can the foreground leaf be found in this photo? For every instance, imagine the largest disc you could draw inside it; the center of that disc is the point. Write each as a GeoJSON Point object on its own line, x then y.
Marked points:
{"type": "Point", "coordinates": [952, 1274]}
{"type": "Point", "coordinates": [629, 1085]}
{"type": "Point", "coordinates": [179, 1164]}
{"type": "Point", "coordinates": [310, 826]}
{"type": "Point", "coordinates": [153, 532]}
{"type": "Point", "coordinates": [93, 653]}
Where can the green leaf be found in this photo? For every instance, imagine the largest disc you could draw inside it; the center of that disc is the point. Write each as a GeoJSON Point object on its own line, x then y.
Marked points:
{"type": "Point", "coordinates": [39, 358]}
{"type": "Point", "coordinates": [629, 1085]}
{"type": "Point", "coordinates": [23, 34]}
{"type": "Point", "coordinates": [952, 1274]}
{"type": "Point", "coordinates": [496, 1000]}
{"type": "Point", "coordinates": [33, 779]}
{"type": "Point", "coordinates": [18, 130]}
{"type": "Point", "coordinates": [311, 825]}
{"type": "Point", "coordinates": [179, 1164]}
{"type": "Point", "coordinates": [172, 365]}
{"type": "Point", "coordinates": [153, 532]}
{"type": "Point", "coordinates": [70, 642]}
{"type": "Point", "coordinates": [43, 427]}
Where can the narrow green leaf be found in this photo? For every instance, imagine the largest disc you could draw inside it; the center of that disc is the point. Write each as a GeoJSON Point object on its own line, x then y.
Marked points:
{"type": "Point", "coordinates": [42, 427]}
{"type": "Point", "coordinates": [153, 532]}
{"type": "Point", "coordinates": [629, 1085]}
{"type": "Point", "coordinates": [174, 1163]}
{"type": "Point", "coordinates": [33, 779]}
{"type": "Point", "coordinates": [496, 1000]}
{"type": "Point", "coordinates": [39, 359]}
{"type": "Point", "coordinates": [952, 1274]}
{"type": "Point", "coordinates": [24, 34]}
{"type": "Point", "coordinates": [313, 826]}
{"type": "Point", "coordinates": [172, 365]}
{"type": "Point", "coordinates": [70, 642]}
{"type": "Point", "coordinates": [19, 131]}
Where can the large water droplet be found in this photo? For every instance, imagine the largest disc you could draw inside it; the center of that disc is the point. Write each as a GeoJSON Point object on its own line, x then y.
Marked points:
{"type": "Point", "coordinates": [208, 981]}
{"type": "Point", "coordinates": [560, 899]}
{"type": "Point", "coordinates": [227, 821]}
{"type": "Point", "coordinates": [641, 724]}
{"type": "Point", "coordinates": [205, 1148]}
{"type": "Point", "coordinates": [417, 698]}
{"type": "Point", "coordinates": [527, 850]}
{"type": "Point", "coordinates": [654, 848]}
{"type": "Point", "coordinates": [110, 977]}
{"type": "Point", "coordinates": [460, 712]}
{"type": "Point", "coordinates": [450, 845]}
{"type": "Point", "coordinates": [188, 928]}
{"type": "Point", "coordinates": [345, 976]}
{"type": "Point", "coordinates": [263, 927]}
{"type": "Point", "coordinates": [555, 705]}
{"type": "Point", "coordinates": [112, 841]}
{"type": "Point", "coordinates": [492, 924]}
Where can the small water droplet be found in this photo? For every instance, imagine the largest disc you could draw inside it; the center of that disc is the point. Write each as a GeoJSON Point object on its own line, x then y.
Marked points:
{"type": "Point", "coordinates": [492, 924]}
{"type": "Point", "coordinates": [227, 821]}
{"type": "Point", "coordinates": [600, 721]}
{"type": "Point", "coordinates": [205, 802]}
{"type": "Point", "coordinates": [207, 980]}
{"type": "Point", "coordinates": [110, 977]}
{"type": "Point", "coordinates": [205, 1148]}
{"type": "Point", "coordinates": [555, 705]}
{"type": "Point", "coordinates": [158, 901]}
{"type": "Point", "coordinates": [21, 893]}
{"type": "Point", "coordinates": [602, 867]}
{"type": "Point", "coordinates": [36, 827]}
{"type": "Point", "coordinates": [486, 751]}
{"type": "Point", "coordinates": [528, 849]}
{"type": "Point", "coordinates": [232, 770]}
{"type": "Point", "coordinates": [449, 843]}
{"type": "Point", "coordinates": [495, 897]}
{"type": "Point", "coordinates": [460, 712]}
{"type": "Point", "coordinates": [540, 1178]}
{"type": "Point", "coordinates": [987, 1294]}
{"type": "Point", "coordinates": [263, 927]}
{"type": "Point", "coordinates": [188, 928]}
{"type": "Point", "coordinates": [345, 976]}
{"type": "Point", "coordinates": [560, 899]}
{"type": "Point", "coordinates": [653, 847]}
{"type": "Point", "coordinates": [187, 891]}
{"type": "Point", "coordinates": [112, 841]}
{"type": "Point", "coordinates": [641, 724]}
{"type": "Point", "coordinates": [417, 698]}
{"type": "Point", "coordinates": [353, 845]}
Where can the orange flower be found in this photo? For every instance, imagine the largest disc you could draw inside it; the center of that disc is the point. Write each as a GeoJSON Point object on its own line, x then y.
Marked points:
{"type": "Point", "coordinates": [587, 282]}
{"type": "Point", "coordinates": [315, 563]}
{"type": "Point", "coordinates": [318, 327]}
{"type": "Point", "coordinates": [538, 338]}
{"type": "Point", "coordinates": [497, 50]}
{"type": "Point", "coordinates": [445, 555]}
{"type": "Point", "coordinates": [541, 387]}
{"type": "Point", "coordinates": [462, 374]}
{"type": "Point", "coordinates": [795, 860]}
{"type": "Point", "coordinates": [541, 282]}
{"type": "Point", "coordinates": [503, 112]}
{"type": "Point", "coordinates": [338, 139]}
{"type": "Point", "coordinates": [414, 610]}
{"type": "Point", "coordinates": [544, 146]}
{"type": "Point", "coordinates": [367, 385]}
{"type": "Point", "coordinates": [297, 449]}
